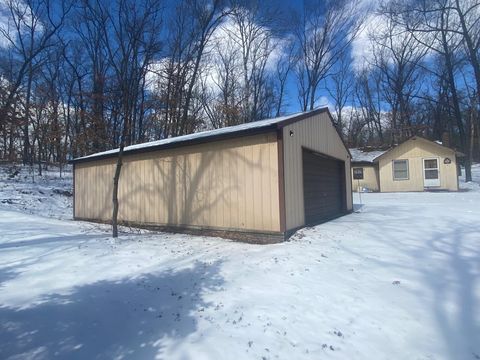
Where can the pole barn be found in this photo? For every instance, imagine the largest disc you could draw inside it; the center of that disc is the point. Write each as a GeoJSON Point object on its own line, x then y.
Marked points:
{"type": "Point", "coordinates": [256, 182]}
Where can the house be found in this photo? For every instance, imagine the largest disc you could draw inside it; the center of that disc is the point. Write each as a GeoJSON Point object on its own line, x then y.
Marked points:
{"type": "Point", "coordinates": [417, 164]}
{"type": "Point", "coordinates": [255, 182]}
{"type": "Point", "coordinates": [366, 170]}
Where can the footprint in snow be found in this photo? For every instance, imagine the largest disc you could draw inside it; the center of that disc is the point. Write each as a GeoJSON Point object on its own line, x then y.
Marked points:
{"type": "Point", "coordinates": [325, 346]}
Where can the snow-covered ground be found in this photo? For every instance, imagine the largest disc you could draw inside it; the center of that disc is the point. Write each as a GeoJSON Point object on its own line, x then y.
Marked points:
{"type": "Point", "coordinates": [398, 279]}
{"type": "Point", "coordinates": [24, 190]}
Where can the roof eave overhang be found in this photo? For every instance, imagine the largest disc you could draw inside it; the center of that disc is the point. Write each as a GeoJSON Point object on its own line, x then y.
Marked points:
{"type": "Point", "coordinates": [364, 163]}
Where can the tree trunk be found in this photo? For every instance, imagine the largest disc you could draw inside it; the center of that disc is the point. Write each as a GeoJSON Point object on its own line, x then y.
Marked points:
{"type": "Point", "coordinates": [456, 102]}
{"type": "Point", "coordinates": [27, 156]}
{"type": "Point", "coordinates": [468, 169]}
{"type": "Point", "coordinates": [469, 152]}
{"type": "Point", "coordinates": [116, 179]}
{"type": "Point", "coordinates": [313, 90]}
{"type": "Point", "coordinates": [471, 48]}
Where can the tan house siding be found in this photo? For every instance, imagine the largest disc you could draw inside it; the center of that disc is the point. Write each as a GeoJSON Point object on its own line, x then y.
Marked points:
{"type": "Point", "coordinates": [370, 178]}
{"type": "Point", "coordinates": [415, 150]}
{"type": "Point", "coordinates": [316, 133]}
{"type": "Point", "coordinates": [230, 184]}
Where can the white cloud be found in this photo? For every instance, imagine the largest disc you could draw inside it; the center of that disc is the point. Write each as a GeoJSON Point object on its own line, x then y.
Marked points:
{"type": "Point", "coordinates": [3, 24]}
{"type": "Point", "coordinates": [153, 73]}
{"type": "Point", "coordinates": [223, 43]}
{"type": "Point", "coordinates": [326, 101]}
{"type": "Point", "coordinates": [362, 45]}
{"type": "Point", "coordinates": [24, 16]}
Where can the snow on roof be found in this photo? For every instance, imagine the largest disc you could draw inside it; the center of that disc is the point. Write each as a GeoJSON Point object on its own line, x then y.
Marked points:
{"type": "Point", "coordinates": [200, 135]}
{"type": "Point", "coordinates": [359, 155]}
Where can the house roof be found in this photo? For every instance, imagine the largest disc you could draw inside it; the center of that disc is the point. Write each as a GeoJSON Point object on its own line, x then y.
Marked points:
{"type": "Point", "coordinates": [364, 156]}
{"type": "Point", "coordinates": [372, 156]}
{"type": "Point", "coordinates": [435, 143]}
{"type": "Point", "coordinates": [229, 132]}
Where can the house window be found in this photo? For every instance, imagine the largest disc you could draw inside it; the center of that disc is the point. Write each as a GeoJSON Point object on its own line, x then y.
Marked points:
{"type": "Point", "coordinates": [430, 168]}
{"type": "Point", "coordinates": [358, 173]}
{"type": "Point", "coordinates": [400, 169]}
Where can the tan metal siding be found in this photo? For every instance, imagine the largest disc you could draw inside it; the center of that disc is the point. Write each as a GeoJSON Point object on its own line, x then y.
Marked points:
{"type": "Point", "coordinates": [415, 151]}
{"type": "Point", "coordinates": [230, 184]}
{"type": "Point", "coordinates": [370, 178]}
{"type": "Point", "coordinates": [316, 133]}
{"type": "Point", "coordinates": [96, 182]}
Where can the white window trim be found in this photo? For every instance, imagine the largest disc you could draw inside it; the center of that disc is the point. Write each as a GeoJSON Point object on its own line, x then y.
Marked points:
{"type": "Point", "coordinates": [437, 168]}
{"type": "Point", "coordinates": [393, 170]}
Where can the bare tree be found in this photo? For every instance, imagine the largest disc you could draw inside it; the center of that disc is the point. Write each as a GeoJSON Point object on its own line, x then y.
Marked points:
{"type": "Point", "coordinates": [324, 32]}
{"type": "Point", "coordinates": [74, 101]}
{"type": "Point", "coordinates": [342, 89]}
{"type": "Point", "coordinates": [398, 56]}
{"type": "Point", "coordinates": [468, 13]}
{"type": "Point", "coordinates": [431, 23]}
{"type": "Point", "coordinates": [131, 37]}
{"type": "Point", "coordinates": [89, 27]}
{"type": "Point", "coordinates": [222, 102]}
{"type": "Point", "coordinates": [355, 124]}
{"type": "Point", "coordinates": [368, 96]}
{"type": "Point", "coordinates": [190, 32]}
{"type": "Point", "coordinates": [283, 69]}
{"type": "Point", "coordinates": [253, 33]}
{"type": "Point", "coordinates": [31, 29]}
{"type": "Point", "coordinates": [208, 16]}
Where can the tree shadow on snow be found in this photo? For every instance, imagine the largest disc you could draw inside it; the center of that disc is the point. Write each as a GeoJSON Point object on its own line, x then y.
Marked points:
{"type": "Point", "coordinates": [449, 265]}
{"type": "Point", "coordinates": [130, 318]}
{"type": "Point", "coordinates": [61, 240]}
{"type": "Point", "coordinates": [455, 282]}
{"type": "Point", "coordinates": [44, 246]}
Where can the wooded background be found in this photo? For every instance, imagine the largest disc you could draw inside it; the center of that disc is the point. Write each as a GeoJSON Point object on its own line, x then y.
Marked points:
{"type": "Point", "coordinates": [77, 75]}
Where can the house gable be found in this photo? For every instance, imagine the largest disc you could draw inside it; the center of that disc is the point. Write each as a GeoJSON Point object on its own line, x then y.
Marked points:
{"type": "Point", "coordinates": [414, 146]}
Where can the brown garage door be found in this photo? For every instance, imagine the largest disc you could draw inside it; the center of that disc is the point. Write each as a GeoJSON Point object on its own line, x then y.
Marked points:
{"type": "Point", "coordinates": [323, 187]}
